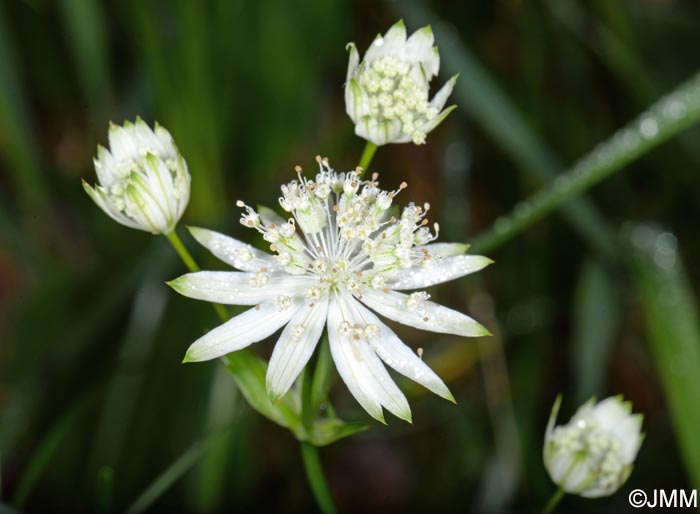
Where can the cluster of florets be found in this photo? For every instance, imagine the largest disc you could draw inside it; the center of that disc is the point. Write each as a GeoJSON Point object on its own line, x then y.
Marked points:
{"type": "Point", "coordinates": [341, 229]}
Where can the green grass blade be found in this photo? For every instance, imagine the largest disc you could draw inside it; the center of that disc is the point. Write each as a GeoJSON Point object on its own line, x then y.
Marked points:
{"type": "Point", "coordinates": [671, 316]}
{"type": "Point", "coordinates": [45, 451]}
{"type": "Point", "coordinates": [596, 319]}
{"type": "Point", "coordinates": [224, 401]}
{"type": "Point", "coordinates": [86, 29]}
{"type": "Point", "coordinates": [168, 477]}
{"type": "Point", "coordinates": [478, 94]}
{"type": "Point", "coordinates": [125, 388]}
{"type": "Point", "coordinates": [17, 141]}
{"type": "Point", "coordinates": [665, 119]}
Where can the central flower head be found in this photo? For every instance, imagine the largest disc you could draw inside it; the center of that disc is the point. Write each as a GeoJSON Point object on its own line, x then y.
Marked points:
{"type": "Point", "coordinates": [341, 248]}
{"type": "Point", "coordinates": [349, 240]}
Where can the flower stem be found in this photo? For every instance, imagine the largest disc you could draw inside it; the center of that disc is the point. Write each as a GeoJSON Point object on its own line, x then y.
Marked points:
{"type": "Point", "coordinates": [193, 267]}
{"type": "Point", "coordinates": [309, 452]}
{"type": "Point", "coordinates": [182, 251]}
{"type": "Point", "coordinates": [312, 462]}
{"type": "Point", "coordinates": [314, 472]}
{"type": "Point", "coordinates": [367, 155]}
{"type": "Point", "coordinates": [553, 501]}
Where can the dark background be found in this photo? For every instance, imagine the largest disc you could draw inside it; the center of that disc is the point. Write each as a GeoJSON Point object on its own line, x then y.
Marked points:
{"type": "Point", "coordinates": [94, 402]}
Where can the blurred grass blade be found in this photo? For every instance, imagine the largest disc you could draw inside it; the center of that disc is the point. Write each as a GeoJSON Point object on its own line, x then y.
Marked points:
{"type": "Point", "coordinates": [665, 119]}
{"type": "Point", "coordinates": [122, 395]}
{"type": "Point", "coordinates": [614, 51]}
{"type": "Point", "coordinates": [86, 30]}
{"type": "Point", "coordinates": [478, 94]}
{"type": "Point", "coordinates": [105, 489]}
{"type": "Point", "coordinates": [596, 319]}
{"type": "Point", "coordinates": [168, 477]}
{"type": "Point", "coordinates": [45, 451]}
{"type": "Point", "coordinates": [224, 401]}
{"type": "Point", "coordinates": [184, 94]}
{"type": "Point", "coordinates": [671, 316]}
{"type": "Point", "coordinates": [17, 141]}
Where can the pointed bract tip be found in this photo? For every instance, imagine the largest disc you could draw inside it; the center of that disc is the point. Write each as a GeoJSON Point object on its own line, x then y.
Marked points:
{"type": "Point", "coordinates": [174, 283]}
{"type": "Point", "coordinates": [380, 418]}
{"type": "Point", "coordinates": [188, 358]}
{"type": "Point", "coordinates": [449, 397]}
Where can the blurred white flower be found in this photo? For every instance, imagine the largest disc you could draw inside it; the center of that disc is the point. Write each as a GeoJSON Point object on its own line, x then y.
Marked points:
{"type": "Point", "coordinates": [143, 179]}
{"type": "Point", "coordinates": [386, 95]}
{"type": "Point", "coordinates": [593, 454]}
{"type": "Point", "coordinates": [340, 252]}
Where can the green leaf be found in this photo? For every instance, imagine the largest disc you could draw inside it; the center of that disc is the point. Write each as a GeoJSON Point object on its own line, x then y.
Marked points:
{"type": "Point", "coordinates": [321, 382]}
{"type": "Point", "coordinates": [327, 431]}
{"type": "Point", "coordinates": [671, 316]}
{"type": "Point", "coordinates": [249, 373]}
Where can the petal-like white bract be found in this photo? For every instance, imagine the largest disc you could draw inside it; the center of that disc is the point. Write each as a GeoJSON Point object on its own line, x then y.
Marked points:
{"type": "Point", "coordinates": [353, 61]}
{"type": "Point", "coordinates": [397, 355]}
{"type": "Point", "coordinates": [342, 243]}
{"type": "Point", "coordinates": [440, 98]}
{"type": "Point", "coordinates": [386, 93]}
{"type": "Point", "coordinates": [416, 311]}
{"type": "Point", "coordinates": [295, 347]}
{"type": "Point", "coordinates": [360, 368]}
{"type": "Point", "coordinates": [233, 252]}
{"type": "Point", "coordinates": [143, 180]}
{"type": "Point", "coordinates": [419, 47]}
{"type": "Point", "coordinates": [593, 454]}
{"type": "Point", "coordinates": [237, 288]}
{"type": "Point", "coordinates": [243, 330]}
{"type": "Point", "coordinates": [431, 273]}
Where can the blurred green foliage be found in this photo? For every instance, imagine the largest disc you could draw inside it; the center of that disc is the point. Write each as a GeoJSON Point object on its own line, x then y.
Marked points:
{"type": "Point", "coordinates": [96, 412]}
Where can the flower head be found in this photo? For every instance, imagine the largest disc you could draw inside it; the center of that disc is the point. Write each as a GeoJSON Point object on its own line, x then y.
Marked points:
{"type": "Point", "coordinates": [386, 94]}
{"type": "Point", "coordinates": [337, 254]}
{"type": "Point", "coordinates": [593, 454]}
{"type": "Point", "coordinates": [143, 179]}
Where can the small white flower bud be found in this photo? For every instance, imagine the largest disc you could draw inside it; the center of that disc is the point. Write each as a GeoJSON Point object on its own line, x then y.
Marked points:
{"type": "Point", "coordinates": [143, 181]}
{"type": "Point", "coordinates": [593, 454]}
{"type": "Point", "coordinates": [386, 95]}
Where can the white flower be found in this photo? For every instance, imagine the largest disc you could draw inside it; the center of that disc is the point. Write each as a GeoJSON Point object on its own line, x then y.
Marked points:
{"type": "Point", "coordinates": [593, 454]}
{"type": "Point", "coordinates": [340, 252]}
{"type": "Point", "coordinates": [386, 95]}
{"type": "Point", "coordinates": [143, 179]}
